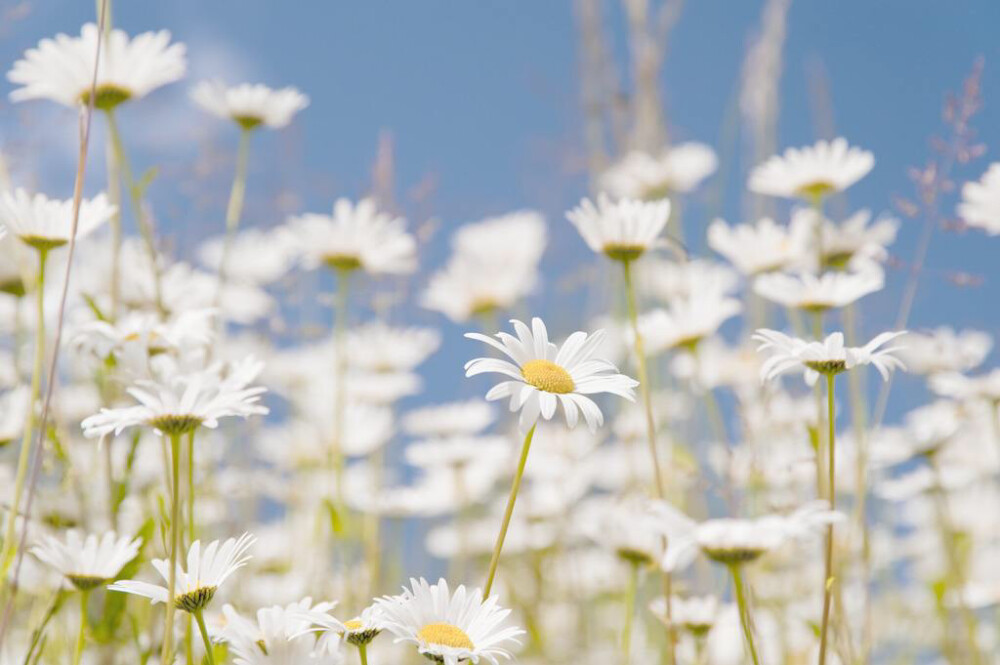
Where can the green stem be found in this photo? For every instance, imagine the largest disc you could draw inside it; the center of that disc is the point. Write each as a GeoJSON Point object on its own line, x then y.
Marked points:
{"type": "Point", "coordinates": [10, 544]}
{"type": "Point", "coordinates": [209, 655]}
{"type": "Point", "coordinates": [511, 500]}
{"type": "Point", "coordinates": [190, 487]}
{"type": "Point", "coordinates": [81, 637]}
{"type": "Point", "coordinates": [744, 609]}
{"type": "Point", "coordinates": [363, 653]}
{"type": "Point", "coordinates": [828, 578]}
{"type": "Point", "coordinates": [630, 594]}
{"type": "Point", "coordinates": [340, 380]}
{"type": "Point", "coordinates": [234, 209]}
{"type": "Point", "coordinates": [167, 652]}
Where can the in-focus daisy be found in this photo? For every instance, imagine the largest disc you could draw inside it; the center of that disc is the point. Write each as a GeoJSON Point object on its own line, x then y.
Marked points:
{"type": "Point", "coordinates": [356, 237]}
{"type": "Point", "coordinates": [197, 583]}
{"type": "Point", "coordinates": [827, 357]}
{"type": "Point", "coordinates": [182, 402]}
{"type": "Point", "coordinates": [980, 206]}
{"type": "Point", "coordinates": [757, 248]}
{"type": "Point", "coordinates": [359, 631]}
{"type": "Point", "coordinates": [62, 69]}
{"type": "Point", "coordinates": [814, 293]}
{"type": "Point", "coordinates": [87, 561]}
{"type": "Point", "coordinates": [45, 223]}
{"type": "Point", "coordinates": [250, 105]}
{"type": "Point", "coordinates": [812, 172]}
{"type": "Point", "coordinates": [678, 169]}
{"type": "Point", "coordinates": [623, 230]}
{"type": "Point", "coordinates": [544, 376]}
{"type": "Point", "coordinates": [447, 627]}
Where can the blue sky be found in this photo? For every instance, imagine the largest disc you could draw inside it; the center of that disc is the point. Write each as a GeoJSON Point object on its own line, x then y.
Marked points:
{"type": "Point", "coordinates": [481, 99]}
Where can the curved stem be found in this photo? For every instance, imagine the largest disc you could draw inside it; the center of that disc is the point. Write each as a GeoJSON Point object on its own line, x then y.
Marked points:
{"type": "Point", "coordinates": [81, 637]}
{"type": "Point", "coordinates": [828, 578]}
{"type": "Point", "coordinates": [744, 608]}
{"type": "Point", "coordinates": [209, 655]}
{"type": "Point", "coordinates": [511, 500]}
{"type": "Point", "coordinates": [630, 594]}
{"type": "Point", "coordinates": [167, 652]}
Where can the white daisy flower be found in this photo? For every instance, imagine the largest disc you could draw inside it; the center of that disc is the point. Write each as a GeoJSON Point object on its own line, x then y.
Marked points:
{"type": "Point", "coordinates": [623, 230]}
{"type": "Point", "coordinates": [452, 419]}
{"type": "Point", "coordinates": [255, 256]}
{"type": "Point", "coordinates": [827, 357]}
{"type": "Point", "coordinates": [814, 293]}
{"type": "Point", "coordinates": [356, 237]}
{"type": "Point", "coordinates": [196, 584]}
{"type": "Point", "coordinates": [45, 223]}
{"type": "Point", "coordinates": [669, 281]}
{"type": "Point", "coordinates": [980, 206]}
{"type": "Point", "coordinates": [448, 627]}
{"type": "Point", "coordinates": [180, 403]}
{"type": "Point", "coordinates": [945, 350]}
{"type": "Point", "coordinates": [757, 248]}
{"type": "Point", "coordinates": [852, 243]}
{"type": "Point", "coordinates": [87, 561]}
{"type": "Point", "coordinates": [959, 386]}
{"type": "Point", "coordinates": [814, 171]}
{"type": "Point", "coordinates": [62, 69]}
{"type": "Point", "coordinates": [678, 169]}
{"type": "Point", "coordinates": [695, 614]}
{"type": "Point", "coordinates": [686, 323]}
{"type": "Point", "coordinates": [274, 624]}
{"type": "Point", "coordinates": [250, 105]}
{"type": "Point", "coordinates": [184, 332]}
{"type": "Point", "coordinates": [543, 376]}
{"type": "Point", "coordinates": [359, 631]}
{"type": "Point", "coordinates": [378, 347]}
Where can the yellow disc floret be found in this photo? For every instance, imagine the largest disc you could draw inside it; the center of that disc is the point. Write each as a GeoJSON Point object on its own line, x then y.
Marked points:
{"type": "Point", "coordinates": [547, 376]}
{"type": "Point", "coordinates": [445, 635]}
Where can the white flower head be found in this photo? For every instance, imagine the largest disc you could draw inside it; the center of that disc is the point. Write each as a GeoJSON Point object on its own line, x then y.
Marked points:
{"type": "Point", "coordinates": [197, 583]}
{"type": "Point", "coordinates": [62, 69]}
{"type": "Point", "coordinates": [695, 614]}
{"type": "Point", "coordinates": [944, 350]}
{"type": "Point", "coordinates": [452, 419]}
{"type": "Point", "coordinates": [686, 322]}
{"type": "Point", "coordinates": [87, 561]}
{"type": "Point", "coordinates": [544, 376]}
{"type": "Point", "coordinates": [814, 171]}
{"type": "Point", "coordinates": [623, 230]}
{"type": "Point", "coordinates": [757, 248]}
{"type": "Point", "coordinates": [827, 357]}
{"type": "Point", "coordinates": [980, 206]}
{"type": "Point", "coordinates": [449, 627]}
{"type": "Point", "coordinates": [45, 223]}
{"type": "Point", "coordinates": [250, 105]}
{"type": "Point", "coordinates": [678, 169]}
{"type": "Point", "coordinates": [814, 293]}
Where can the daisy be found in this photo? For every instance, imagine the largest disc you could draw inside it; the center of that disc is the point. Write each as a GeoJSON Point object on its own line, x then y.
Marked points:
{"type": "Point", "coordinates": [687, 322]}
{"type": "Point", "coordinates": [980, 206]}
{"type": "Point", "coordinates": [669, 281]}
{"type": "Point", "coordinates": [828, 357]}
{"type": "Point", "coordinates": [181, 403]}
{"type": "Point", "coordinates": [87, 561]}
{"type": "Point", "coordinates": [206, 571]}
{"type": "Point", "coordinates": [359, 631]}
{"type": "Point", "coordinates": [757, 248]}
{"type": "Point", "coordinates": [811, 172]}
{"type": "Point", "coordinates": [695, 614]}
{"type": "Point", "coordinates": [62, 69]}
{"type": "Point", "coordinates": [45, 223]}
{"type": "Point", "coordinates": [378, 347]}
{"type": "Point", "coordinates": [356, 237]}
{"type": "Point", "coordinates": [278, 636]}
{"type": "Point", "coordinates": [447, 627]}
{"type": "Point", "coordinates": [622, 230]}
{"type": "Point", "coordinates": [249, 105]}
{"type": "Point", "coordinates": [853, 243]}
{"type": "Point", "coordinates": [945, 350]}
{"type": "Point", "coordinates": [457, 451]}
{"type": "Point", "coordinates": [959, 386]}
{"type": "Point", "coordinates": [452, 419]}
{"type": "Point", "coordinates": [678, 169]}
{"type": "Point", "coordinates": [544, 376]}
{"type": "Point", "coordinates": [464, 288]}
{"type": "Point", "coordinates": [255, 256]}
{"type": "Point", "coordinates": [813, 293]}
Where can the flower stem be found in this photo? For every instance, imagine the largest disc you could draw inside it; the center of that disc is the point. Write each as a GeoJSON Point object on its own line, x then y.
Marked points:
{"type": "Point", "coordinates": [363, 653]}
{"type": "Point", "coordinates": [9, 540]}
{"type": "Point", "coordinates": [744, 608]}
{"type": "Point", "coordinates": [190, 487]}
{"type": "Point", "coordinates": [167, 652]}
{"type": "Point", "coordinates": [209, 655]}
{"type": "Point", "coordinates": [81, 637]}
{"type": "Point", "coordinates": [511, 500]}
{"type": "Point", "coordinates": [630, 594]}
{"type": "Point", "coordinates": [340, 380]}
{"type": "Point", "coordinates": [234, 209]}
{"type": "Point", "coordinates": [828, 578]}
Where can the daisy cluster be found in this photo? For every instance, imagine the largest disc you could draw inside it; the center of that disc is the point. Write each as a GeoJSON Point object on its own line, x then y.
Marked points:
{"type": "Point", "coordinates": [695, 456]}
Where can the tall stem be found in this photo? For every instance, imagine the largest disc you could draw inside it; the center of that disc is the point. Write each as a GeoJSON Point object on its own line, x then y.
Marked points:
{"type": "Point", "coordinates": [363, 653]}
{"type": "Point", "coordinates": [234, 209]}
{"type": "Point", "coordinates": [167, 653]}
{"type": "Point", "coordinates": [209, 655]}
{"type": "Point", "coordinates": [81, 637]}
{"type": "Point", "coordinates": [828, 579]}
{"type": "Point", "coordinates": [190, 487]}
{"type": "Point", "coordinates": [744, 608]}
{"type": "Point", "coordinates": [340, 384]}
{"type": "Point", "coordinates": [511, 500]}
{"type": "Point", "coordinates": [9, 540]}
{"type": "Point", "coordinates": [630, 594]}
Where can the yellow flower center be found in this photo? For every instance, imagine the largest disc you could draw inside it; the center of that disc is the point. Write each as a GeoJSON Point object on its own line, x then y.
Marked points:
{"type": "Point", "coordinates": [623, 252]}
{"type": "Point", "coordinates": [445, 635]}
{"type": "Point", "coordinates": [353, 624]}
{"type": "Point", "coordinates": [342, 262]}
{"type": "Point", "coordinates": [107, 97]}
{"type": "Point", "coordinates": [248, 122]}
{"type": "Point", "coordinates": [815, 191]}
{"type": "Point", "coordinates": [547, 376]}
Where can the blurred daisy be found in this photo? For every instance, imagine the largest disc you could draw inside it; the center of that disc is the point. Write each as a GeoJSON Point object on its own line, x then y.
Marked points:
{"type": "Point", "coordinates": [623, 230]}
{"type": "Point", "coordinates": [451, 419]}
{"type": "Point", "coordinates": [827, 357]}
{"type": "Point", "coordinates": [250, 105]}
{"type": "Point", "coordinates": [945, 350]}
{"type": "Point", "coordinates": [378, 347]}
{"type": "Point", "coordinates": [13, 412]}
{"type": "Point", "coordinates": [980, 206]}
{"type": "Point", "coordinates": [687, 322]}
{"type": "Point", "coordinates": [819, 293]}
{"type": "Point", "coordinates": [811, 172]}
{"type": "Point", "coordinates": [197, 584]}
{"type": "Point", "coordinates": [959, 386]}
{"type": "Point", "coordinates": [62, 69]}
{"type": "Point", "coordinates": [87, 561]}
{"type": "Point", "coordinates": [45, 223]}
{"type": "Point", "coordinates": [356, 237]}
{"type": "Point", "coordinates": [757, 248]}
{"type": "Point", "coordinates": [695, 614]}
{"type": "Point", "coordinates": [853, 243]}
{"type": "Point", "coordinates": [543, 376]}
{"type": "Point", "coordinates": [278, 638]}
{"type": "Point", "coordinates": [359, 631]}
{"type": "Point", "coordinates": [447, 627]}
{"type": "Point", "coordinates": [678, 169]}
{"type": "Point", "coordinates": [255, 256]}
{"type": "Point", "coordinates": [182, 402]}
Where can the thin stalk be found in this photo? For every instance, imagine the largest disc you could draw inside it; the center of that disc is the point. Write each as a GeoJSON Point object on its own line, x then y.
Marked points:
{"type": "Point", "coordinates": [340, 381]}
{"type": "Point", "coordinates": [9, 540]}
{"type": "Point", "coordinates": [511, 500]}
{"type": "Point", "coordinates": [630, 594]}
{"type": "Point", "coordinates": [167, 653]}
{"type": "Point", "coordinates": [209, 655]}
{"type": "Point", "coordinates": [828, 579]}
{"type": "Point", "coordinates": [190, 488]}
{"type": "Point", "coordinates": [363, 653]}
{"type": "Point", "coordinates": [81, 636]}
{"type": "Point", "coordinates": [234, 209]}
{"type": "Point", "coordinates": [744, 608]}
